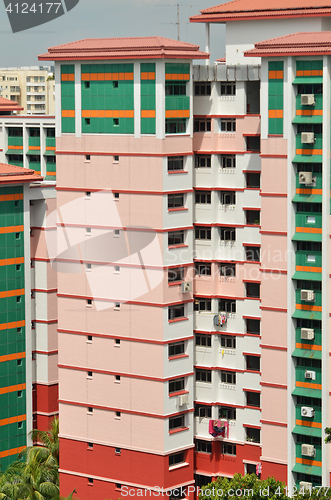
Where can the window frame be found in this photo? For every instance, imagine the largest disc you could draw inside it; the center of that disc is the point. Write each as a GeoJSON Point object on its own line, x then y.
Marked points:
{"type": "Point", "coordinates": [180, 381]}
{"type": "Point", "coordinates": [176, 349]}
{"type": "Point", "coordinates": [201, 374]}
{"type": "Point", "coordinates": [176, 235]}
{"type": "Point", "coordinates": [178, 274]}
{"type": "Point", "coordinates": [172, 161]}
{"type": "Point", "coordinates": [202, 304]}
{"type": "Point", "coordinates": [201, 125]}
{"type": "Point", "coordinates": [202, 446]}
{"type": "Point", "coordinates": [198, 270]}
{"type": "Point", "coordinates": [202, 195]}
{"type": "Point", "coordinates": [202, 85]}
{"type": "Point", "coordinates": [229, 377]}
{"type": "Point", "coordinates": [199, 231]}
{"type": "Point", "coordinates": [201, 159]}
{"type": "Point", "coordinates": [176, 422]}
{"type": "Point", "coordinates": [228, 339]}
{"type": "Point", "coordinates": [176, 200]}
{"type": "Point", "coordinates": [200, 336]}
{"type": "Point", "coordinates": [227, 125]}
{"type": "Point", "coordinates": [225, 86]}
{"type": "Point", "coordinates": [176, 312]}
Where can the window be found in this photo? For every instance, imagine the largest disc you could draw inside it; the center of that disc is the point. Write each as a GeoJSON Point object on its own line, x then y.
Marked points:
{"type": "Point", "coordinates": [228, 88]}
{"type": "Point", "coordinates": [203, 197]}
{"type": "Point", "coordinates": [89, 338]}
{"type": "Point", "coordinates": [176, 422]}
{"type": "Point", "coordinates": [18, 267]}
{"type": "Point", "coordinates": [175, 200]}
{"type": "Point", "coordinates": [203, 233]}
{"type": "Point", "coordinates": [175, 274]}
{"type": "Point", "coordinates": [117, 341]}
{"type": "Point", "coordinates": [90, 409]}
{"type": "Point", "coordinates": [116, 196]}
{"type": "Point", "coordinates": [202, 446]}
{"type": "Point", "coordinates": [253, 143]}
{"type": "Point", "coordinates": [253, 435]}
{"type": "Point", "coordinates": [202, 124]}
{"type": "Point", "coordinates": [202, 411]}
{"type": "Point", "coordinates": [19, 394]}
{"type": "Point", "coordinates": [115, 84]}
{"type": "Point", "coordinates": [253, 254]}
{"type": "Point", "coordinates": [175, 238]}
{"type": "Point", "coordinates": [202, 161]}
{"type": "Point", "coordinates": [203, 340]}
{"type": "Point", "coordinates": [203, 375]}
{"type": "Point", "coordinates": [116, 122]}
{"type": "Point", "coordinates": [228, 124]}
{"type": "Point", "coordinates": [89, 374]}
{"type": "Point", "coordinates": [90, 480]}
{"type": "Point", "coordinates": [117, 378]}
{"type": "Point", "coordinates": [176, 312]}
{"type": "Point", "coordinates": [202, 305]}
{"type": "Point", "coordinates": [90, 445]}
{"type": "Point", "coordinates": [202, 88]}
{"type": "Point", "coordinates": [253, 363]}
{"type": "Point", "coordinates": [89, 302]}
{"type": "Point", "coordinates": [228, 377]}
{"type": "Point", "coordinates": [118, 414]}
{"type": "Point", "coordinates": [19, 331]}
{"type": "Point", "coordinates": [175, 126]}
{"type": "Point", "coordinates": [88, 230]}
{"type": "Point", "coordinates": [253, 399]}
{"type": "Point", "coordinates": [227, 305]}
{"type": "Point", "coordinates": [86, 85]}
{"type": "Point", "coordinates": [253, 290]}
{"type": "Point", "coordinates": [20, 425]}
{"type": "Point", "coordinates": [228, 342]}
{"type": "Point", "coordinates": [176, 349]}
{"type": "Point", "coordinates": [118, 486]}
{"type": "Point", "coordinates": [228, 234]}
{"type": "Point", "coordinates": [227, 412]}
{"type": "Point", "coordinates": [175, 163]}
{"type": "Point", "coordinates": [228, 197]}
{"type": "Point", "coordinates": [88, 194]}
{"type": "Point", "coordinates": [228, 449]}
{"type": "Point", "coordinates": [253, 180]}
{"type": "Point", "coordinates": [252, 217]}
{"type": "Point", "coordinates": [18, 299]}
{"type": "Point", "coordinates": [176, 458]}
{"type": "Point", "coordinates": [116, 232]}
{"type": "Point", "coordinates": [202, 269]}
{"type": "Point", "coordinates": [87, 121]}
{"type": "Point", "coordinates": [253, 326]}
{"type": "Point", "coordinates": [176, 385]}
{"type": "Point", "coordinates": [175, 88]}
{"type": "Point", "coordinates": [117, 269]}
{"type": "Point", "coordinates": [116, 159]}
{"type": "Point", "coordinates": [118, 451]}
{"type": "Point", "coordinates": [228, 270]}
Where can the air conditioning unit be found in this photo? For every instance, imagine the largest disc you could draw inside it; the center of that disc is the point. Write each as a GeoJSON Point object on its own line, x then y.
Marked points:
{"type": "Point", "coordinates": [305, 485]}
{"type": "Point", "coordinates": [307, 333]}
{"type": "Point", "coordinates": [306, 411]}
{"type": "Point", "coordinates": [307, 138]}
{"type": "Point", "coordinates": [186, 286]}
{"type": "Point", "coordinates": [308, 450]}
{"type": "Point", "coordinates": [310, 374]}
{"type": "Point", "coordinates": [183, 400]}
{"type": "Point", "coordinates": [305, 177]}
{"type": "Point", "coordinates": [308, 295]}
{"type": "Point", "coordinates": [307, 100]}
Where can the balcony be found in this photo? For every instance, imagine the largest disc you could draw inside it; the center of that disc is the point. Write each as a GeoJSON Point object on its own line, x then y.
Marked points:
{"type": "Point", "coordinates": [310, 113]}
{"type": "Point", "coordinates": [306, 192]}
{"type": "Point", "coordinates": [308, 153]}
{"type": "Point", "coordinates": [308, 379]}
{"type": "Point", "coordinates": [311, 310]}
{"type": "Point", "coordinates": [308, 347]}
{"type": "Point", "coordinates": [309, 426]}
{"type": "Point", "coordinates": [308, 265]}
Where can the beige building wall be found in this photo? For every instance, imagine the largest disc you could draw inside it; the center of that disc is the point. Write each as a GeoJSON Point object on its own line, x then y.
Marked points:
{"type": "Point", "coordinates": [30, 88]}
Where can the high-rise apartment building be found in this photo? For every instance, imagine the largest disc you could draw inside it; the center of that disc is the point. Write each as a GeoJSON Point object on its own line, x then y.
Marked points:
{"type": "Point", "coordinates": [28, 326]}
{"type": "Point", "coordinates": [31, 87]}
{"type": "Point", "coordinates": [191, 201]}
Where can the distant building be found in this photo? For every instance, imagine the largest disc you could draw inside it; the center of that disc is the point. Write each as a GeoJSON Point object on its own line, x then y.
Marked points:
{"type": "Point", "coordinates": [31, 87]}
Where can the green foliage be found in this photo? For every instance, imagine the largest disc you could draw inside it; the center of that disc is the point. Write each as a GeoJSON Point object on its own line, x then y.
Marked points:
{"type": "Point", "coordinates": [249, 487]}
{"type": "Point", "coordinates": [327, 431]}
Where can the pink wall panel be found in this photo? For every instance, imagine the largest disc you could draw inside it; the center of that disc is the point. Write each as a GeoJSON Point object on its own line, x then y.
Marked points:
{"type": "Point", "coordinates": [273, 252]}
{"type": "Point", "coordinates": [274, 290]}
{"type": "Point", "coordinates": [274, 328]}
{"type": "Point", "coordinates": [274, 366]}
{"type": "Point", "coordinates": [270, 206]}
{"type": "Point", "coordinates": [274, 401]}
{"type": "Point", "coordinates": [273, 175]}
{"type": "Point", "coordinates": [274, 442]}
{"type": "Point", "coordinates": [274, 146]}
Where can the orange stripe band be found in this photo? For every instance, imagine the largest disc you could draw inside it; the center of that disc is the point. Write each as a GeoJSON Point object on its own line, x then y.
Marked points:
{"type": "Point", "coordinates": [68, 77]}
{"type": "Point", "coordinates": [12, 420]}
{"type": "Point", "coordinates": [305, 423]}
{"type": "Point", "coordinates": [11, 357]}
{"type": "Point", "coordinates": [180, 113]}
{"type": "Point", "coordinates": [12, 293]}
{"type": "Point", "coordinates": [276, 75]}
{"type": "Point", "coordinates": [106, 76]}
{"type": "Point", "coordinates": [308, 191]}
{"type": "Point", "coordinates": [50, 148]}
{"type": "Point", "coordinates": [11, 452]}
{"type": "Point", "coordinates": [15, 147]}
{"type": "Point", "coordinates": [309, 112]}
{"type": "Point", "coordinates": [147, 76]}
{"type": "Point", "coordinates": [308, 72]}
{"type": "Point", "coordinates": [309, 269]}
{"type": "Point", "coordinates": [175, 76]}
{"type": "Point", "coordinates": [304, 307]}
{"type": "Point", "coordinates": [12, 388]}
{"type": "Point", "coordinates": [101, 113]}
{"type": "Point", "coordinates": [11, 229]}
{"type": "Point", "coordinates": [11, 197]}
{"type": "Point", "coordinates": [11, 262]}
{"type": "Point", "coordinates": [314, 230]}
{"type": "Point", "coordinates": [305, 461]}
{"type": "Point", "coordinates": [309, 151]}
{"type": "Point", "coordinates": [310, 347]}
{"type": "Point", "coordinates": [275, 113]}
{"type": "Point", "coordinates": [308, 385]}
{"type": "Point", "coordinates": [148, 113]}
{"type": "Point", "coordinates": [68, 113]}
{"type": "Point", "coordinates": [13, 324]}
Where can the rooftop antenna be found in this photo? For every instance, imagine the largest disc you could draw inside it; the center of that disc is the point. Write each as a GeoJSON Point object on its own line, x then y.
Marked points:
{"type": "Point", "coordinates": [177, 23]}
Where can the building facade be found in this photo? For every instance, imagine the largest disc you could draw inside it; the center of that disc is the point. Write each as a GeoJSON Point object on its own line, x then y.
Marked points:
{"type": "Point", "coordinates": [190, 254]}
{"type": "Point", "coordinates": [31, 87]}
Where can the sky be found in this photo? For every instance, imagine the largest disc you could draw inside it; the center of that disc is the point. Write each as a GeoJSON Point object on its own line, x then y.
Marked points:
{"type": "Point", "coordinates": [106, 18]}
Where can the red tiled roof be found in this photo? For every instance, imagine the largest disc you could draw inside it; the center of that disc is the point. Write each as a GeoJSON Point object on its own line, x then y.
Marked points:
{"type": "Point", "coordinates": [7, 105]}
{"type": "Point", "coordinates": [155, 47]}
{"type": "Point", "coordinates": [221, 60]}
{"type": "Point", "coordinates": [241, 10]}
{"type": "Point", "coordinates": [313, 43]}
{"type": "Point", "coordinates": [11, 174]}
